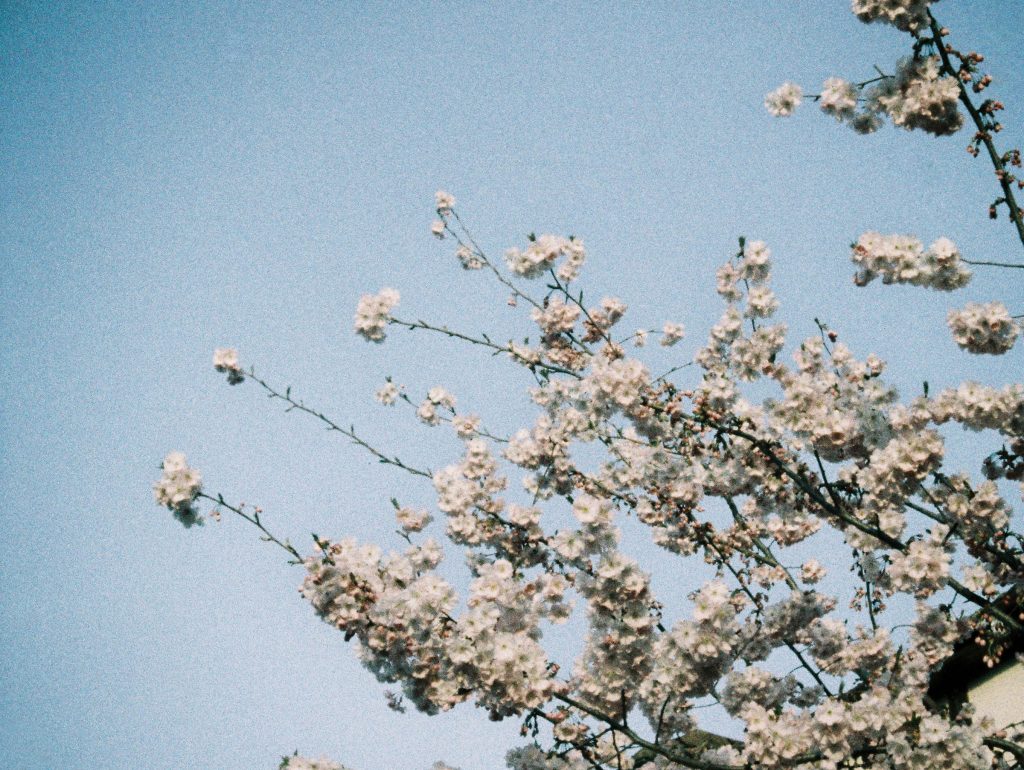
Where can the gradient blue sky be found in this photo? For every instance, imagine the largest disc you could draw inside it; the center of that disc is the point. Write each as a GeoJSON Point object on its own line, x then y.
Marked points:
{"type": "Point", "coordinates": [179, 177]}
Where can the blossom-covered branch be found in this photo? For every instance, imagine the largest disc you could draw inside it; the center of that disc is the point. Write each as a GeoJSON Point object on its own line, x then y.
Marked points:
{"type": "Point", "coordinates": [746, 461]}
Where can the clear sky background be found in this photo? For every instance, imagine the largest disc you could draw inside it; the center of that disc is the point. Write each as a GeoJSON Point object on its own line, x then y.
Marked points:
{"type": "Point", "coordinates": [178, 177]}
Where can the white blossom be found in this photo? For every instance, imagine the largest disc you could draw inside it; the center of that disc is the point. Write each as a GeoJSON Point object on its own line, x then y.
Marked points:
{"type": "Point", "coordinates": [411, 519]}
{"type": "Point", "coordinates": [444, 202]}
{"type": "Point", "coordinates": [838, 98]}
{"type": "Point", "coordinates": [783, 100]}
{"type": "Point", "coordinates": [387, 394]}
{"type": "Point", "coordinates": [906, 15]}
{"type": "Point", "coordinates": [542, 254]}
{"type": "Point", "coordinates": [226, 360]}
{"type": "Point", "coordinates": [373, 314]}
{"type": "Point", "coordinates": [983, 328]}
{"type": "Point", "coordinates": [903, 259]}
{"type": "Point", "coordinates": [918, 97]}
{"type": "Point", "coordinates": [671, 333]}
{"type": "Point", "coordinates": [178, 488]}
{"type": "Point", "coordinates": [468, 258]}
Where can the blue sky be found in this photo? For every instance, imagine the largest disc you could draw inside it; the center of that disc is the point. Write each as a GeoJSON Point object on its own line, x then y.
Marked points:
{"type": "Point", "coordinates": [179, 177]}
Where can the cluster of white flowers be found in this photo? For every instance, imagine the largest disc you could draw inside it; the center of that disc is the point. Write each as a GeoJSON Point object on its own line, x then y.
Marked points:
{"type": "Point", "coordinates": [923, 568]}
{"type": "Point", "coordinates": [298, 762]}
{"type": "Point", "coordinates": [983, 328]}
{"type": "Point", "coordinates": [388, 393]}
{"type": "Point", "coordinates": [444, 202]}
{"type": "Point", "coordinates": [618, 647]}
{"type": "Point", "coordinates": [619, 382]}
{"type": "Point", "coordinates": [602, 318]}
{"type": "Point", "coordinates": [812, 571]}
{"type": "Point", "coordinates": [835, 448]}
{"type": "Point", "coordinates": [979, 578]}
{"type": "Point", "coordinates": [534, 758]}
{"type": "Point", "coordinates": [907, 15]}
{"type": "Point", "coordinates": [671, 333]}
{"type": "Point", "coordinates": [542, 253]}
{"type": "Point", "coordinates": [934, 634]}
{"type": "Point", "coordinates": [919, 97]}
{"type": "Point", "coordinates": [980, 407]}
{"type": "Point", "coordinates": [836, 403]}
{"type": "Point", "coordinates": [412, 519]}
{"type": "Point", "coordinates": [467, 493]}
{"type": "Point", "coordinates": [897, 469]}
{"type": "Point", "coordinates": [396, 607]}
{"type": "Point", "coordinates": [556, 316]}
{"type": "Point", "coordinates": [545, 449]}
{"type": "Point", "coordinates": [903, 259]}
{"type": "Point", "coordinates": [437, 397]}
{"type": "Point", "coordinates": [729, 354]}
{"type": "Point", "coordinates": [466, 425]}
{"type": "Point", "coordinates": [838, 98]}
{"type": "Point", "coordinates": [178, 487]}
{"type": "Point", "coordinates": [755, 685]}
{"type": "Point", "coordinates": [690, 659]}
{"type": "Point", "coordinates": [784, 100]}
{"type": "Point", "coordinates": [226, 360]}
{"type": "Point", "coordinates": [373, 313]}
{"type": "Point", "coordinates": [839, 728]}
{"type": "Point", "coordinates": [468, 258]}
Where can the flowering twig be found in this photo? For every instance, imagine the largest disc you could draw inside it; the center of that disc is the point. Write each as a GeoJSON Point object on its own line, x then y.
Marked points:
{"type": "Point", "coordinates": [768, 450]}
{"type": "Point", "coordinates": [333, 426]}
{"type": "Point", "coordinates": [984, 131]}
{"type": "Point", "coordinates": [516, 291]}
{"type": "Point", "coordinates": [255, 520]}
{"type": "Point", "coordinates": [484, 342]}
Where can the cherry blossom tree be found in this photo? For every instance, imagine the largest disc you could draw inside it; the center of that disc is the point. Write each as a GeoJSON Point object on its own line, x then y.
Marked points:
{"type": "Point", "coordinates": [734, 459]}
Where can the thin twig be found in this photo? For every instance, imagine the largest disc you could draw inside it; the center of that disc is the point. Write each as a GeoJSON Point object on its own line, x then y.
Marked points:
{"type": "Point", "coordinates": [254, 519]}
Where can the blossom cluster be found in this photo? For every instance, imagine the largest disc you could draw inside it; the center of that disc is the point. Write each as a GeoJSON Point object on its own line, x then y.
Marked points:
{"type": "Point", "coordinates": [542, 253]}
{"type": "Point", "coordinates": [903, 259]}
{"type": "Point", "coordinates": [402, 615]}
{"type": "Point", "coordinates": [388, 393]}
{"type": "Point", "coordinates": [984, 328]}
{"type": "Point", "coordinates": [670, 454]}
{"type": "Point", "coordinates": [835, 402]}
{"type": "Point", "coordinates": [373, 314]}
{"type": "Point", "coordinates": [977, 328]}
{"type": "Point", "coordinates": [916, 96]}
{"type": "Point", "coordinates": [178, 488]}
{"type": "Point", "coordinates": [784, 100]}
{"type": "Point", "coordinates": [923, 568]}
{"type": "Point", "coordinates": [906, 15]}
{"type": "Point", "coordinates": [838, 98]}
{"type": "Point", "coordinates": [748, 463]}
{"type": "Point", "coordinates": [731, 354]}
{"type": "Point", "coordinates": [980, 407]}
{"type": "Point", "coordinates": [226, 360]}
{"type": "Point", "coordinates": [437, 398]}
